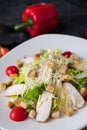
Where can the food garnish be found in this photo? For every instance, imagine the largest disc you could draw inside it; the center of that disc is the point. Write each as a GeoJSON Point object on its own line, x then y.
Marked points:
{"type": "Point", "coordinates": [47, 85]}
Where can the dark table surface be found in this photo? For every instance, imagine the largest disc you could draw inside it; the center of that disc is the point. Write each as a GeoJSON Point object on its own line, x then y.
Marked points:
{"type": "Point", "coordinates": [72, 16]}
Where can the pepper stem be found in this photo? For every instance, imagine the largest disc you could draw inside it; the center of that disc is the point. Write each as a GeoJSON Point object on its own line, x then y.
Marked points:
{"type": "Point", "coordinates": [28, 22]}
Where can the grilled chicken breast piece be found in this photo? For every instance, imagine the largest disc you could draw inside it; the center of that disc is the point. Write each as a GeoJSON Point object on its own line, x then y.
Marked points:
{"type": "Point", "coordinates": [75, 97]}
{"type": "Point", "coordinates": [27, 59]}
{"type": "Point", "coordinates": [43, 107]}
{"type": "Point", "coordinates": [45, 72]}
{"type": "Point", "coordinates": [16, 89]}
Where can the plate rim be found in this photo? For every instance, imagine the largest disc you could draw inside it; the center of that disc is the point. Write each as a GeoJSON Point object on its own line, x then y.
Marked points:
{"type": "Point", "coordinates": [70, 36]}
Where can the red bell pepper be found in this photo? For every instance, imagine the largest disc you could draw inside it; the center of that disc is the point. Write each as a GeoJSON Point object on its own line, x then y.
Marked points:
{"type": "Point", "coordinates": [39, 19]}
{"type": "Point", "coordinates": [3, 51]}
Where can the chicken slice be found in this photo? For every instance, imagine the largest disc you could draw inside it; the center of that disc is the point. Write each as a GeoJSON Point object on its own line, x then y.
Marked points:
{"type": "Point", "coordinates": [43, 107]}
{"type": "Point", "coordinates": [75, 97]}
{"type": "Point", "coordinates": [81, 65]}
{"type": "Point", "coordinates": [21, 62]}
{"type": "Point", "coordinates": [27, 60]}
{"type": "Point", "coordinates": [16, 89]}
{"type": "Point", "coordinates": [45, 72]}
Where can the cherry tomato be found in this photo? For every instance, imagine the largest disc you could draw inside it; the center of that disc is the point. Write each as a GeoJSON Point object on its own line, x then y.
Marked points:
{"type": "Point", "coordinates": [3, 50]}
{"type": "Point", "coordinates": [18, 114]}
{"type": "Point", "coordinates": [86, 34]}
{"type": "Point", "coordinates": [0, 55]}
{"type": "Point", "coordinates": [67, 54]}
{"type": "Point", "coordinates": [85, 97]}
{"type": "Point", "coordinates": [12, 70]}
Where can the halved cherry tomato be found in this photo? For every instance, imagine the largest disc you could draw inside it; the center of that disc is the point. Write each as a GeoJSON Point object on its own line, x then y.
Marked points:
{"type": "Point", "coordinates": [67, 54]}
{"type": "Point", "coordinates": [12, 70]}
{"type": "Point", "coordinates": [18, 114]}
{"type": "Point", "coordinates": [3, 51]}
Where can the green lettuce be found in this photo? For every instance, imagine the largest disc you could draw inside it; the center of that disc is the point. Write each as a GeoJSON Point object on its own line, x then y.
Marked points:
{"type": "Point", "coordinates": [81, 75]}
{"type": "Point", "coordinates": [55, 104]}
{"type": "Point", "coordinates": [32, 94]}
{"type": "Point", "coordinates": [79, 78]}
{"type": "Point", "coordinates": [19, 79]}
{"type": "Point", "coordinates": [73, 72]}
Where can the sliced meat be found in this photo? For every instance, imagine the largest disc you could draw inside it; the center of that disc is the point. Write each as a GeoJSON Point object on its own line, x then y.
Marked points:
{"type": "Point", "coordinates": [45, 72]}
{"type": "Point", "coordinates": [43, 107]}
{"type": "Point", "coordinates": [16, 89]}
{"type": "Point", "coordinates": [75, 97]}
{"type": "Point", "coordinates": [27, 60]}
{"type": "Point", "coordinates": [82, 66]}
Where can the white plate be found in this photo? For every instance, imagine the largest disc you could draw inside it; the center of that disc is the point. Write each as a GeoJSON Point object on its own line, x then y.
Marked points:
{"type": "Point", "coordinates": [64, 42]}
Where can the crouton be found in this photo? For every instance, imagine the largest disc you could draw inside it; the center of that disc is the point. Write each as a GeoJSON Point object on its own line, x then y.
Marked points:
{"type": "Point", "coordinates": [55, 114]}
{"type": "Point", "coordinates": [68, 111]}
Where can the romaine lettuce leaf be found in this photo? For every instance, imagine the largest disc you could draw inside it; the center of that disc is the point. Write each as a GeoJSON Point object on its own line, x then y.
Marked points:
{"type": "Point", "coordinates": [81, 75]}
{"type": "Point", "coordinates": [32, 94]}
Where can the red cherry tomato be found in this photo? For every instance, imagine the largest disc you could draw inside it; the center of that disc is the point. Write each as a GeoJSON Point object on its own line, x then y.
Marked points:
{"type": "Point", "coordinates": [85, 97]}
{"type": "Point", "coordinates": [18, 114]}
{"type": "Point", "coordinates": [67, 54]}
{"type": "Point", "coordinates": [86, 34]}
{"type": "Point", "coordinates": [3, 50]}
{"type": "Point", "coordinates": [12, 70]}
{"type": "Point", "coordinates": [0, 55]}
